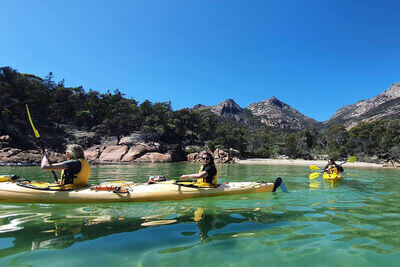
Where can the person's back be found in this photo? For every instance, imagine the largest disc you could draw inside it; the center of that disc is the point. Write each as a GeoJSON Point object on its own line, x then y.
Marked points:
{"type": "Point", "coordinates": [78, 172]}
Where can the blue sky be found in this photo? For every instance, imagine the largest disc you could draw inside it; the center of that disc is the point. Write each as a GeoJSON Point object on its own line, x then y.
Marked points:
{"type": "Point", "coordinates": [313, 55]}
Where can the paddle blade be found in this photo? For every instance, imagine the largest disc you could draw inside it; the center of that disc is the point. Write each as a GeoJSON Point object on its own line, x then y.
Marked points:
{"type": "Point", "coordinates": [279, 183]}
{"type": "Point", "coordinates": [283, 187]}
{"type": "Point", "coordinates": [314, 168]}
{"type": "Point", "coordinates": [30, 119]}
{"type": "Point", "coordinates": [314, 175]}
{"type": "Point", "coordinates": [352, 159]}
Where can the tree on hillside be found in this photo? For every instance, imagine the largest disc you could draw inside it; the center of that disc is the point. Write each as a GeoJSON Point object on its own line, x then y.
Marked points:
{"type": "Point", "coordinates": [48, 81]}
{"type": "Point", "coordinates": [291, 149]}
{"type": "Point", "coordinates": [181, 121]}
{"type": "Point", "coordinates": [121, 115]}
{"type": "Point", "coordinates": [335, 139]}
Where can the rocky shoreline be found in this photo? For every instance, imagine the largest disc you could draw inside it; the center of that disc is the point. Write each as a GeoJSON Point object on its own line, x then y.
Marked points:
{"type": "Point", "coordinates": [130, 150]}
{"type": "Point", "coordinates": [112, 155]}
{"type": "Point", "coordinates": [126, 151]}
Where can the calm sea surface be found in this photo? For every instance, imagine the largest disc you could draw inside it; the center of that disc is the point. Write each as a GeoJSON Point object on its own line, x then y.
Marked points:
{"type": "Point", "coordinates": [356, 223]}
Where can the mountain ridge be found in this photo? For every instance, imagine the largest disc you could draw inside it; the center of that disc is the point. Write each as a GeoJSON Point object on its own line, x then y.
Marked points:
{"type": "Point", "coordinates": [275, 113]}
{"type": "Point", "coordinates": [271, 112]}
{"type": "Point", "coordinates": [384, 105]}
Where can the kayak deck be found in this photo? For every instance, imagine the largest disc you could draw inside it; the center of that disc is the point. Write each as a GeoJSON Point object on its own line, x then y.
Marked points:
{"type": "Point", "coordinates": [10, 191]}
{"type": "Point", "coordinates": [333, 177]}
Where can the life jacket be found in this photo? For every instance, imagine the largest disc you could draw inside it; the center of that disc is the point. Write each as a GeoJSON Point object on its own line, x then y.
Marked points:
{"type": "Point", "coordinates": [82, 177]}
{"type": "Point", "coordinates": [201, 182]}
{"type": "Point", "coordinates": [332, 169]}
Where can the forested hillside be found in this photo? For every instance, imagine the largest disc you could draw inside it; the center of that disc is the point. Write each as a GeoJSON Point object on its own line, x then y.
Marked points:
{"type": "Point", "coordinates": [55, 108]}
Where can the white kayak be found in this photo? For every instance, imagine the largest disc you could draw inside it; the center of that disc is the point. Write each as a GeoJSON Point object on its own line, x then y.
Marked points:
{"type": "Point", "coordinates": [38, 192]}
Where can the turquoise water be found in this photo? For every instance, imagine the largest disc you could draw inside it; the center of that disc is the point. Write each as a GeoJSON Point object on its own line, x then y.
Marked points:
{"type": "Point", "coordinates": [355, 223]}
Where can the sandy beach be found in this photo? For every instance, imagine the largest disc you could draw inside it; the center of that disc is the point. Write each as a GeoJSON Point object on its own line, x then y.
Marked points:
{"type": "Point", "coordinates": [301, 162]}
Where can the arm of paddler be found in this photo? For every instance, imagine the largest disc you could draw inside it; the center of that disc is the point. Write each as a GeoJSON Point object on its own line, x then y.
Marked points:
{"type": "Point", "coordinates": [326, 167]}
{"type": "Point", "coordinates": [45, 164]}
{"type": "Point", "coordinates": [202, 174]}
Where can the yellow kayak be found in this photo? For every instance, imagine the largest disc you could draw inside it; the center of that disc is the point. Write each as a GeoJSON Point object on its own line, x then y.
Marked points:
{"type": "Point", "coordinates": [332, 177]}
{"type": "Point", "coordinates": [39, 192]}
{"type": "Point", "coordinates": [330, 181]}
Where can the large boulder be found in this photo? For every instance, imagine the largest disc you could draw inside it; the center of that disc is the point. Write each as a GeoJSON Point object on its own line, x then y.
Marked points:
{"type": "Point", "coordinates": [193, 157]}
{"type": "Point", "coordinates": [14, 155]}
{"type": "Point", "coordinates": [28, 157]}
{"type": "Point", "coordinates": [93, 153]}
{"type": "Point", "coordinates": [109, 141]}
{"type": "Point", "coordinates": [8, 154]}
{"type": "Point", "coordinates": [113, 153]}
{"type": "Point", "coordinates": [137, 151]}
{"type": "Point", "coordinates": [155, 157]}
{"type": "Point", "coordinates": [234, 153]}
{"type": "Point", "coordinates": [221, 156]}
{"type": "Point", "coordinates": [132, 139]}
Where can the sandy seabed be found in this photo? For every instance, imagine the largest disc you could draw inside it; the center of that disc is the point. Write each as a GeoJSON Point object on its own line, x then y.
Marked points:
{"type": "Point", "coordinates": [301, 162]}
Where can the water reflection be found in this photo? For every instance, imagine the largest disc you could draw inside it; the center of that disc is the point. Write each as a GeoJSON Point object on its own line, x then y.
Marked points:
{"type": "Point", "coordinates": [318, 184]}
{"type": "Point", "coordinates": [52, 227]}
{"type": "Point", "coordinates": [280, 224]}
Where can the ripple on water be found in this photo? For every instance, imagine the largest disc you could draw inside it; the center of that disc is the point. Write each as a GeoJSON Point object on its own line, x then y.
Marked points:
{"type": "Point", "coordinates": [315, 215]}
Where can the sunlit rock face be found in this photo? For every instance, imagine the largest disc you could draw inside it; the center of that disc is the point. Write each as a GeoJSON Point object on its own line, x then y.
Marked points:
{"type": "Point", "coordinates": [271, 112]}
{"type": "Point", "coordinates": [386, 105]}
{"type": "Point", "coordinates": [276, 113]}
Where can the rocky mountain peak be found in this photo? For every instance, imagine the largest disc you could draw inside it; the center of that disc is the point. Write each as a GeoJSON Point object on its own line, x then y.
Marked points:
{"type": "Point", "coordinates": [200, 106]}
{"type": "Point", "coordinates": [384, 105]}
{"type": "Point", "coordinates": [276, 113]}
{"type": "Point", "coordinates": [276, 102]}
{"type": "Point", "coordinates": [228, 107]}
{"type": "Point", "coordinates": [393, 91]}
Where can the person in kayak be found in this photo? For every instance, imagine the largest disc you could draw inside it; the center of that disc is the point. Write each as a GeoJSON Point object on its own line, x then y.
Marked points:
{"type": "Point", "coordinates": [207, 175]}
{"type": "Point", "coordinates": [332, 167]}
{"type": "Point", "coordinates": [75, 170]}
